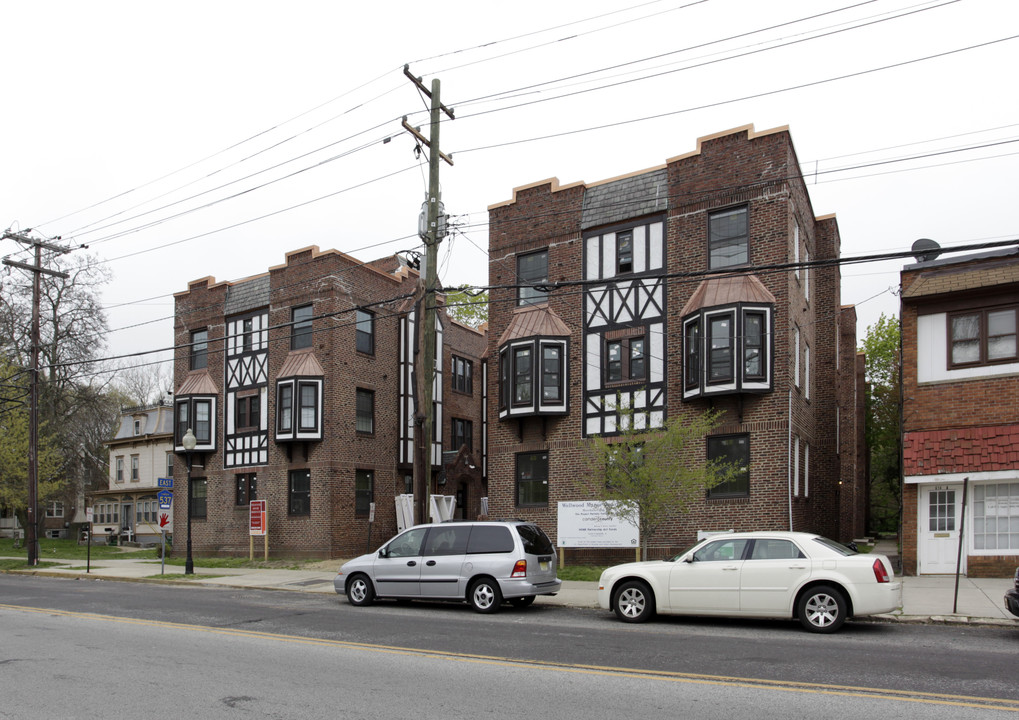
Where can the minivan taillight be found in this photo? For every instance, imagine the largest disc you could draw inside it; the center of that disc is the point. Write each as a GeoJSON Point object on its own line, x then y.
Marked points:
{"type": "Point", "coordinates": [520, 569]}
{"type": "Point", "coordinates": [880, 574]}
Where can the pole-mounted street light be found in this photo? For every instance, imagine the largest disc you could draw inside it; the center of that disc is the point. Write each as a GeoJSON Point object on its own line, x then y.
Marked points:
{"type": "Point", "coordinates": [189, 441]}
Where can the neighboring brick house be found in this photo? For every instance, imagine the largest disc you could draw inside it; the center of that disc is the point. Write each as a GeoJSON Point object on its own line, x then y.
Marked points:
{"type": "Point", "coordinates": [141, 452]}
{"type": "Point", "coordinates": [660, 288]}
{"type": "Point", "coordinates": [960, 383]}
{"type": "Point", "coordinates": [299, 387]}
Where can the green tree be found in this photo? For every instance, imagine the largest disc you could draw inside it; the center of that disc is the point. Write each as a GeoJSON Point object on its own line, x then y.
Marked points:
{"type": "Point", "coordinates": [649, 477]}
{"type": "Point", "coordinates": [881, 345]}
{"type": "Point", "coordinates": [467, 306]}
{"type": "Point", "coordinates": [14, 430]}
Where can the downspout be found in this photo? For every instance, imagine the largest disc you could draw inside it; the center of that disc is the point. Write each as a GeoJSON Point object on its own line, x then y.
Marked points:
{"type": "Point", "coordinates": [789, 462]}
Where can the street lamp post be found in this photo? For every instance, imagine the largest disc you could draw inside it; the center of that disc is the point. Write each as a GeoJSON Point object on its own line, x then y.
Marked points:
{"type": "Point", "coordinates": [189, 441]}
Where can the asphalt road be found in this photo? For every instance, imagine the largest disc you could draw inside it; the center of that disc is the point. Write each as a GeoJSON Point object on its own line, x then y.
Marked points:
{"type": "Point", "coordinates": [81, 648]}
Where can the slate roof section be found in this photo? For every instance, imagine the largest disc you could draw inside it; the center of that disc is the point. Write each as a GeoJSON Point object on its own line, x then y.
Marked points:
{"type": "Point", "coordinates": [728, 291]}
{"type": "Point", "coordinates": [626, 198]}
{"type": "Point", "coordinates": [247, 295]}
{"type": "Point", "coordinates": [960, 450]}
{"type": "Point", "coordinates": [156, 420]}
{"type": "Point", "coordinates": [534, 321]}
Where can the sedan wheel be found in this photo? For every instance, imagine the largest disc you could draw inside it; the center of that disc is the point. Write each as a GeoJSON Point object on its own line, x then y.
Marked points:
{"type": "Point", "coordinates": [360, 591]}
{"type": "Point", "coordinates": [484, 596]}
{"type": "Point", "coordinates": [634, 602]}
{"type": "Point", "coordinates": [822, 609]}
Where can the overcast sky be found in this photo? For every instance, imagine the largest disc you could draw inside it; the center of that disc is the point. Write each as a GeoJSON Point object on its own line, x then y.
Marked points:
{"type": "Point", "coordinates": [127, 125]}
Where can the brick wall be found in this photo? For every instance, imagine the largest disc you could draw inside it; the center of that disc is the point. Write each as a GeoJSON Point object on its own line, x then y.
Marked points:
{"type": "Point", "coordinates": [731, 168]}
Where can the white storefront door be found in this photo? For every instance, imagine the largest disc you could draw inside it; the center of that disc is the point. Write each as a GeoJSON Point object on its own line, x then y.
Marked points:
{"type": "Point", "coordinates": [939, 517]}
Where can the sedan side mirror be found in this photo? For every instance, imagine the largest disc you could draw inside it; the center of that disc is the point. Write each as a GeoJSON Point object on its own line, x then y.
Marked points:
{"type": "Point", "coordinates": [383, 552]}
{"type": "Point", "coordinates": [689, 558]}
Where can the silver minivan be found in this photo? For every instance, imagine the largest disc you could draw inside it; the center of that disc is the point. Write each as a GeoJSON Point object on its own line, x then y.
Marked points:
{"type": "Point", "coordinates": [479, 562]}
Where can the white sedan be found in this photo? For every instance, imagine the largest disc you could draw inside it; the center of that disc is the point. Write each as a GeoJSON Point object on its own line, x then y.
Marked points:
{"type": "Point", "coordinates": [764, 575]}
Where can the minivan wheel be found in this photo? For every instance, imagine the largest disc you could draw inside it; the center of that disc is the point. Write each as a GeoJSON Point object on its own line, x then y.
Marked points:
{"type": "Point", "coordinates": [484, 596]}
{"type": "Point", "coordinates": [360, 591]}
{"type": "Point", "coordinates": [522, 602]}
{"type": "Point", "coordinates": [634, 602]}
{"type": "Point", "coordinates": [822, 609]}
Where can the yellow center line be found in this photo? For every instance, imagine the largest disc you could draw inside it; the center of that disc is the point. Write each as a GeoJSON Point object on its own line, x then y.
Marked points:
{"type": "Point", "coordinates": [599, 670]}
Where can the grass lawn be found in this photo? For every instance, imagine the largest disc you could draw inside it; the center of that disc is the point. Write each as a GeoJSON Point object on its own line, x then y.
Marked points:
{"type": "Point", "coordinates": [71, 550]}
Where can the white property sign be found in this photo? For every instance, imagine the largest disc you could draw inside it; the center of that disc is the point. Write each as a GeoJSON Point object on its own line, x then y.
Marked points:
{"type": "Point", "coordinates": [587, 524]}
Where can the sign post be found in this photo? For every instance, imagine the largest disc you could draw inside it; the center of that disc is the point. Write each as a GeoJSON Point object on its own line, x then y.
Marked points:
{"type": "Point", "coordinates": [88, 543]}
{"type": "Point", "coordinates": [371, 521]}
{"type": "Point", "coordinates": [257, 526]}
{"type": "Point", "coordinates": [165, 498]}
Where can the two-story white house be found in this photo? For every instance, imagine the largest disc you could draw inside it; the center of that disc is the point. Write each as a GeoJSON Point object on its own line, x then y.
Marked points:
{"type": "Point", "coordinates": [141, 452]}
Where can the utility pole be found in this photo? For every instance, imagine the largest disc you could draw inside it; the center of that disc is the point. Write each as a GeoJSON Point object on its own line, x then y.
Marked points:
{"type": "Point", "coordinates": [31, 536]}
{"type": "Point", "coordinates": [423, 472]}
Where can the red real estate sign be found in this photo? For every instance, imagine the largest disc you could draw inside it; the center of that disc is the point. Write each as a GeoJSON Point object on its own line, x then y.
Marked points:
{"type": "Point", "coordinates": [257, 523]}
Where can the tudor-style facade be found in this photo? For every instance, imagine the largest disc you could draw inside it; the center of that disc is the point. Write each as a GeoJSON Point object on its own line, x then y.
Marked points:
{"type": "Point", "coordinates": [659, 291]}
{"type": "Point", "coordinates": [299, 386]}
{"type": "Point", "coordinates": [960, 389]}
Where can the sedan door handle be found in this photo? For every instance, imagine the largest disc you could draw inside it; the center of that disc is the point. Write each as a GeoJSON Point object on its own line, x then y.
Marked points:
{"type": "Point", "coordinates": [730, 567]}
{"type": "Point", "coordinates": [411, 563]}
{"type": "Point", "coordinates": [430, 563]}
{"type": "Point", "coordinates": [797, 567]}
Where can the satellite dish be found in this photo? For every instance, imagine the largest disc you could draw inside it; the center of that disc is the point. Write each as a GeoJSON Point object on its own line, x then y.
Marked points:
{"type": "Point", "coordinates": [925, 250]}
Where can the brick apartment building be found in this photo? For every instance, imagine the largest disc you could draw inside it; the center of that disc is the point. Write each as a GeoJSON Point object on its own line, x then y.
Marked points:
{"type": "Point", "coordinates": [701, 283]}
{"type": "Point", "coordinates": [299, 387]}
{"type": "Point", "coordinates": [960, 383]}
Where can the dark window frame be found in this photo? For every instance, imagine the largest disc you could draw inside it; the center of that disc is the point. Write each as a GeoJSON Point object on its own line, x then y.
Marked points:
{"type": "Point", "coordinates": [285, 408]}
{"type": "Point", "coordinates": [247, 412]}
{"type": "Point", "coordinates": [537, 479]}
{"type": "Point", "coordinates": [316, 410]}
{"type": "Point", "coordinates": [247, 334]}
{"type": "Point", "coordinates": [461, 433]}
{"type": "Point", "coordinates": [693, 353]}
{"type": "Point", "coordinates": [301, 327]}
{"type": "Point", "coordinates": [202, 434]}
{"type": "Point", "coordinates": [462, 374]}
{"type": "Point", "coordinates": [246, 488]}
{"type": "Point", "coordinates": [199, 355]}
{"type": "Point", "coordinates": [761, 346]}
{"type": "Point", "coordinates": [364, 331]}
{"type": "Point", "coordinates": [715, 244]}
{"type": "Point", "coordinates": [714, 450]}
{"type": "Point", "coordinates": [299, 493]}
{"type": "Point", "coordinates": [728, 350]}
{"type": "Point", "coordinates": [528, 279]}
{"type": "Point", "coordinates": [552, 378]}
{"type": "Point", "coordinates": [522, 380]}
{"type": "Point", "coordinates": [359, 411]}
{"type": "Point", "coordinates": [983, 336]}
{"type": "Point", "coordinates": [625, 363]}
{"type": "Point", "coordinates": [624, 262]}
{"type": "Point", "coordinates": [198, 503]}
{"type": "Point", "coordinates": [364, 492]}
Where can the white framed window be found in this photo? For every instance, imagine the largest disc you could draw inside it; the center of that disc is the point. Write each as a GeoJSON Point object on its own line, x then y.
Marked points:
{"type": "Point", "coordinates": [996, 517]}
{"type": "Point", "coordinates": [134, 468]}
{"type": "Point", "coordinates": [120, 469]}
{"type": "Point", "coordinates": [55, 509]}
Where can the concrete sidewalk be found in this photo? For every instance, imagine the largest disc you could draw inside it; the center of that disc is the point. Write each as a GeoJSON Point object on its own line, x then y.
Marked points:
{"type": "Point", "coordinates": [924, 599]}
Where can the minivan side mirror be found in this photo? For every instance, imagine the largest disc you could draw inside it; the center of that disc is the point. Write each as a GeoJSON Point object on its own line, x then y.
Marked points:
{"type": "Point", "coordinates": [384, 552]}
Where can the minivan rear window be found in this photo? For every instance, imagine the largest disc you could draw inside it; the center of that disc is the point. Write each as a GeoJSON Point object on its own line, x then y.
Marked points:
{"type": "Point", "coordinates": [536, 542]}
{"type": "Point", "coordinates": [490, 539]}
